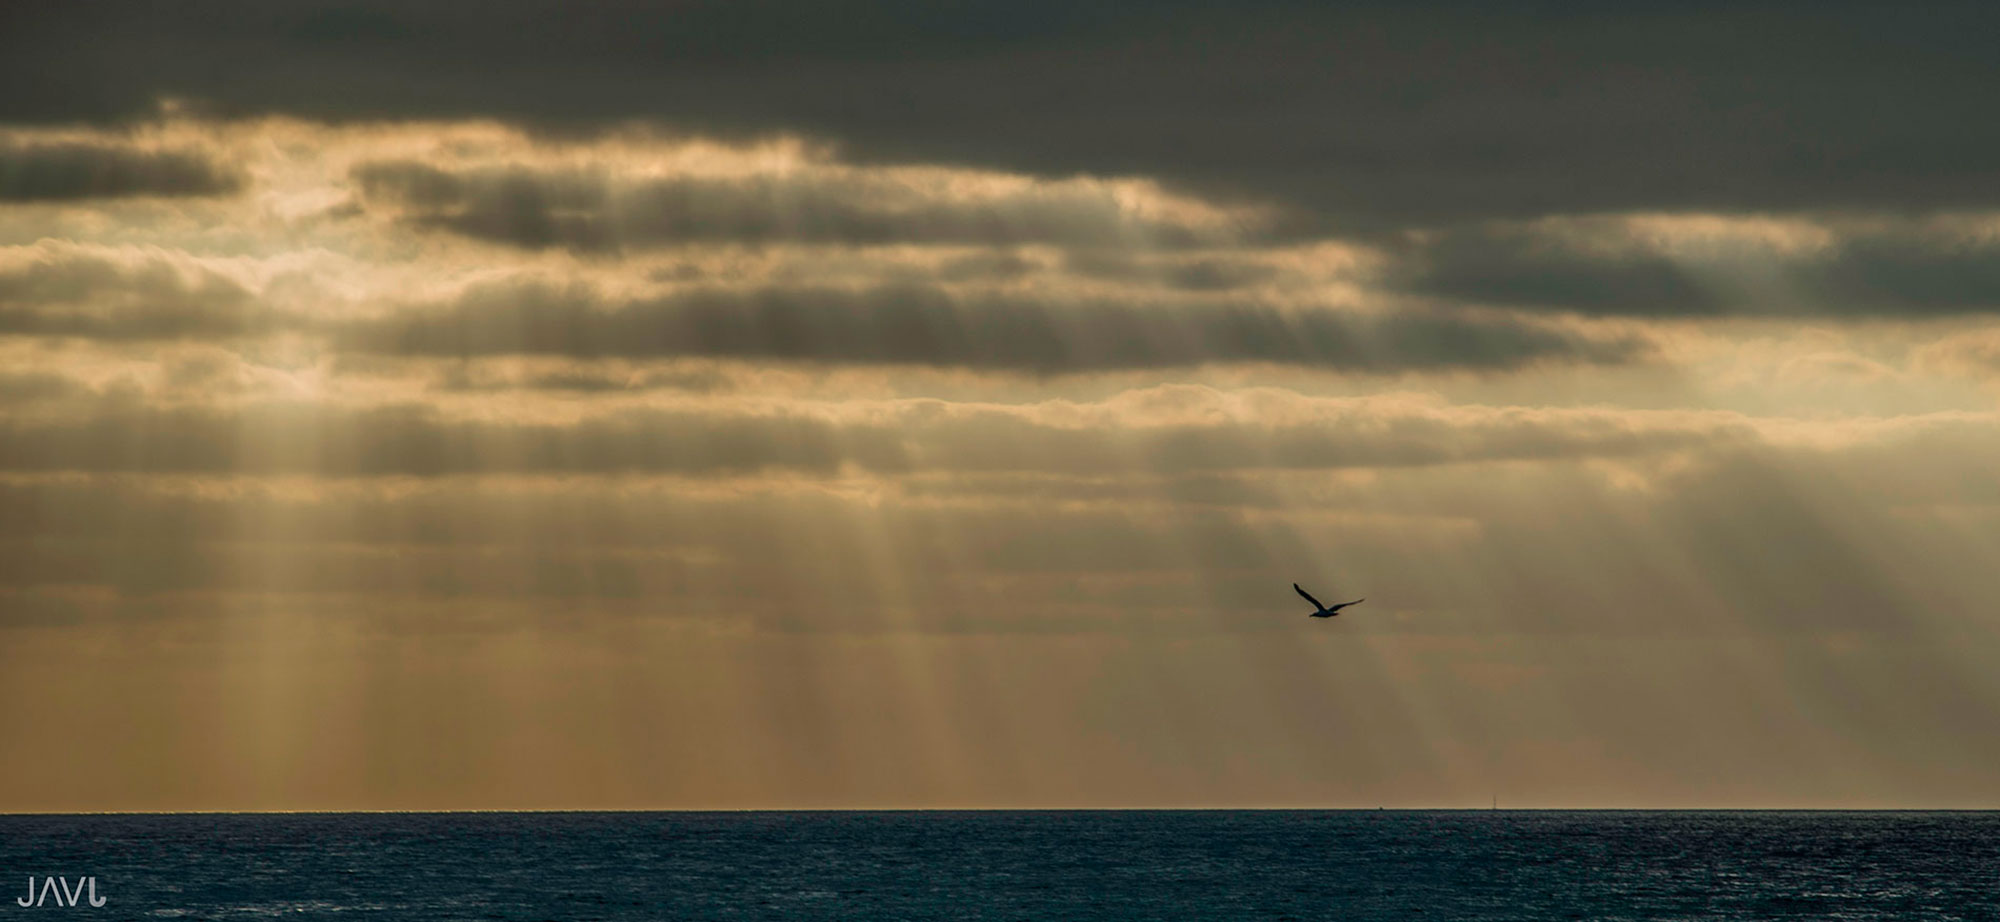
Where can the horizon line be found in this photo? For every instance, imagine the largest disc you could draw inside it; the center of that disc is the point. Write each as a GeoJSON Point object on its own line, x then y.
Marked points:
{"type": "Point", "coordinates": [1183, 809]}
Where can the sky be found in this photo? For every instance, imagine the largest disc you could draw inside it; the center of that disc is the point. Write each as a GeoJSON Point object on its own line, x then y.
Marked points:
{"type": "Point", "coordinates": [771, 404]}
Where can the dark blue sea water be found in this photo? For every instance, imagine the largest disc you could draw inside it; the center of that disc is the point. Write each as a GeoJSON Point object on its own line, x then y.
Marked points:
{"type": "Point", "coordinates": [1016, 865]}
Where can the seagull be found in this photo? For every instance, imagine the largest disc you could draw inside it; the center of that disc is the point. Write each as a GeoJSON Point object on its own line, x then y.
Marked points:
{"type": "Point", "coordinates": [1321, 610]}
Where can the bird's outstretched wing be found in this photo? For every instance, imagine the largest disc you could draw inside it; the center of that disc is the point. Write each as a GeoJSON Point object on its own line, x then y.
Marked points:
{"type": "Point", "coordinates": [1309, 597]}
{"type": "Point", "coordinates": [1345, 604]}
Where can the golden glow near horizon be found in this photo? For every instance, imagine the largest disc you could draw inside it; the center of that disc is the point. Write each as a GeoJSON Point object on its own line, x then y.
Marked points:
{"type": "Point", "coordinates": [445, 465]}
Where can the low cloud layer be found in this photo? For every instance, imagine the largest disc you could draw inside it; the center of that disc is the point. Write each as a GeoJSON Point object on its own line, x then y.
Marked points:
{"type": "Point", "coordinates": [598, 210]}
{"type": "Point", "coordinates": [1738, 535]}
{"type": "Point", "coordinates": [1667, 267]}
{"type": "Point", "coordinates": [58, 172]}
{"type": "Point", "coordinates": [935, 326]}
{"type": "Point", "coordinates": [58, 290]}
{"type": "Point", "coordinates": [1159, 431]}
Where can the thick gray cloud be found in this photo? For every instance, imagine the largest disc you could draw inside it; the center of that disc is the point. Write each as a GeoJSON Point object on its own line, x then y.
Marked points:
{"type": "Point", "coordinates": [1890, 269]}
{"type": "Point", "coordinates": [932, 326]}
{"type": "Point", "coordinates": [69, 171]}
{"type": "Point", "coordinates": [1202, 274]}
{"type": "Point", "coordinates": [591, 210]}
{"type": "Point", "coordinates": [1367, 113]}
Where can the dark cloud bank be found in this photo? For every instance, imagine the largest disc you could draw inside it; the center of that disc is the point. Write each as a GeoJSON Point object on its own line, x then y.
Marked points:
{"type": "Point", "coordinates": [591, 211]}
{"type": "Point", "coordinates": [86, 294]}
{"type": "Point", "coordinates": [1885, 267]}
{"type": "Point", "coordinates": [931, 326]}
{"type": "Point", "coordinates": [1893, 269]}
{"type": "Point", "coordinates": [1368, 114]}
{"type": "Point", "coordinates": [70, 171]}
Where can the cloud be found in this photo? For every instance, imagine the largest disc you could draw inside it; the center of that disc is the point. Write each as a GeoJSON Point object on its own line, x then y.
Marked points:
{"type": "Point", "coordinates": [1746, 534]}
{"type": "Point", "coordinates": [60, 172]}
{"type": "Point", "coordinates": [22, 388]}
{"type": "Point", "coordinates": [1166, 430]}
{"type": "Point", "coordinates": [583, 379]}
{"type": "Point", "coordinates": [301, 438]}
{"type": "Point", "coordinates": [55, 289]}
{"type": "Point", "coordinates": [889, 309]}
{"type": "Point", "coordinates": [597, 209]}
{"type": "Point", "coordinates": [1974, 354]}
{"type": "Point", "coordinates": [1708, 266]}
{"type": "Point", "coordinates": [928, 325]}
{"type": "Point", "coordinates": [1201, 274]}
{"type": "Point", "coordinates": [1369, 114]}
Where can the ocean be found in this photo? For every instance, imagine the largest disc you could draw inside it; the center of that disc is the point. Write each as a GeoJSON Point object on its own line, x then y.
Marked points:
{"type": "Point", "coordinates": [1059, 866]}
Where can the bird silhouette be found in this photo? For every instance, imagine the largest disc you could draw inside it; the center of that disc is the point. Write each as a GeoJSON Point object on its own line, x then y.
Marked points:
{"type": "Point", "coordinates": [1322, 611]}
